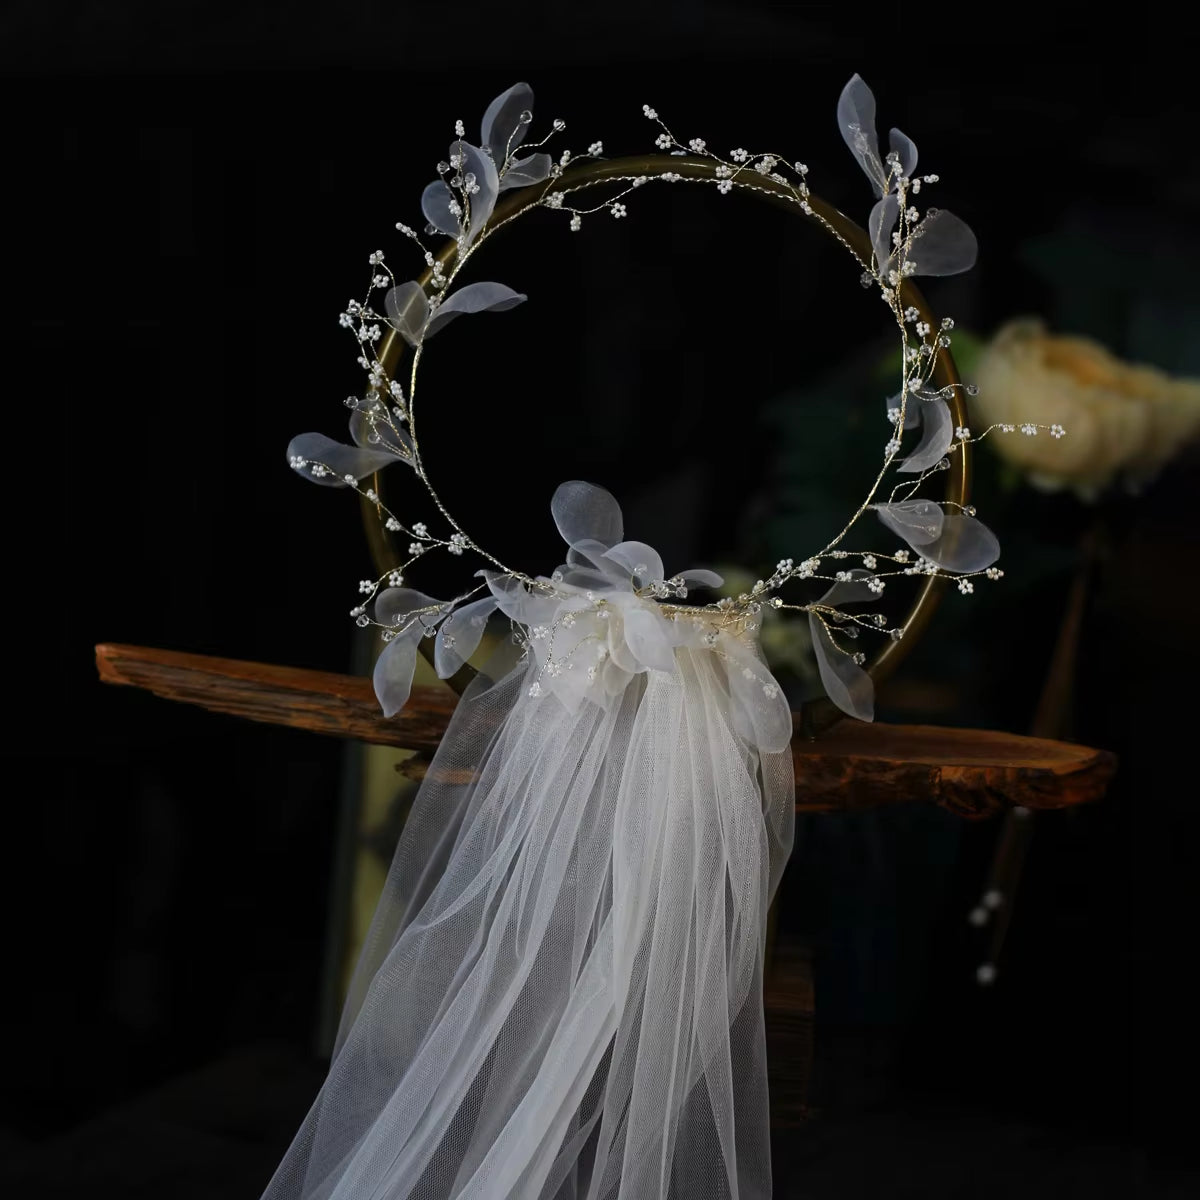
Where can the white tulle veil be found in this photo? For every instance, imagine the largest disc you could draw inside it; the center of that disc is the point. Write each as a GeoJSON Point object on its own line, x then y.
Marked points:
{"type": "Point", "coordinates": [561, 992]}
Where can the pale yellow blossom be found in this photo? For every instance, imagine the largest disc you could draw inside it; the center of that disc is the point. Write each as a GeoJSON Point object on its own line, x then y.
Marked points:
{"type": "Point", "coordinates": [1122, 420]}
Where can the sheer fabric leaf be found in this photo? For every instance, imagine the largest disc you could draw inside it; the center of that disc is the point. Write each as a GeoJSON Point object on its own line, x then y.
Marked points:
{"type": "Point", "coordinates": [502, 129]}
{"type": "Point", "coordinates": [474, 298]}
{"type": "Point", "coordinates": [340, 459]}
{"type": "Point", "coordinates": [586, 512]}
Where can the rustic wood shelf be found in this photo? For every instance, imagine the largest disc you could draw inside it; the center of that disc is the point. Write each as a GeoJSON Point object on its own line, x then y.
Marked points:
{"type": "Point", "coordinates": [972, 772]}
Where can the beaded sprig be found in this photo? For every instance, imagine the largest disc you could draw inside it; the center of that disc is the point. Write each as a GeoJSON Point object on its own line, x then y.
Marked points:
{"type": "Point", "coordinates": [612, 609]}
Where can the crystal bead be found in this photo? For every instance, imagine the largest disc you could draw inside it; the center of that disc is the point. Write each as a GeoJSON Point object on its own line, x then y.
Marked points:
{"type": "Point", "coordinates": [972, 389]}
{"type": "Point", "coordinates": [443, 167]}
{"type": "Point", "coordinates": [525, 117]}
{"type": "Point", "coordinates": [362, 620]}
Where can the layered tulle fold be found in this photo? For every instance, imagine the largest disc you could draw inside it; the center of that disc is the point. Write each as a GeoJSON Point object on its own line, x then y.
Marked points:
{"type": "Point", "coordinates": [560, 994]}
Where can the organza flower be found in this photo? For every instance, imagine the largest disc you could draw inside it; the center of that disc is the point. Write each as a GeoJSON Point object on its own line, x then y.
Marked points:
{"type": "Point", "coordinates": [937, 243]}
{"type": "Point", "coordinates": [619, 579]}
{"type": "Point", "coordinates": [486, 170]}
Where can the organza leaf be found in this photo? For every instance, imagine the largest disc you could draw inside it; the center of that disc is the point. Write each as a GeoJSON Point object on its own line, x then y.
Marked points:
{"type": "Point", "coordinates": [701, 577]}
{"type": "Point", "coordinates": [459, 635]}
{"type": "Point", "coordinates": [340, 459]}
{"type": "Point", "coordinates": [648, 637]}
{"type": "Point", "coordinates": [906, 150]}
{"type": "Point", "coordinates": [387, 433]}
{"type": "Point", "coordinates": [435, 204]}
{"type": "Point", "coordinates": [912, 411]}
{"type": "Point", "coordinates": [845, 682]}
{"type": "Point", "coordinates": [880, 225]}
{"type": "Point", "coordinates": [966, 544]}
{"type": "Point", "coordinates": [585, 512]}
{"type": "Point", "coordinates": [474, 298]}
{"type": "Point", "coordinates": [407, 310]}
{"type": "Point", "coordinates": [639, 560]}
{"type": "Point", "coordinates": [937, 433]}
{"type": "Point", "coordinates": [856, 120]}
{"type": "Point", "coordinates": [399, 606]}
{"type": "Point", "coordinates": [393, 673]}
{"type": "Point", "coordinates": [849, 591]}
{"type": "Point", "coordinates": [526, 172]}
{"type": "Point", "coordinates": [518, 602]}
{"type": "Point", "coordinates": [487, 180]}
{"type": "Point", "coordinates": [918, 522]}
{"type": "Point", "coordinates": [942, 244]}
{"type": "Point", "coordinates": [589, 553]}
{"type": "Point", "coordinates": [502, 129]}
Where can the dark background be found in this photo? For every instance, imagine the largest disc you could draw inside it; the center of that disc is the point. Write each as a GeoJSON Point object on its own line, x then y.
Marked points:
{"type": "Point", "coordinates": [193, 191]}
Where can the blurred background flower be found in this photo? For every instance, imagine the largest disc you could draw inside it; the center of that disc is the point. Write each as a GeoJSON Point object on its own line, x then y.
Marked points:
{"type": "Point", "coordinates": [1124, 421]}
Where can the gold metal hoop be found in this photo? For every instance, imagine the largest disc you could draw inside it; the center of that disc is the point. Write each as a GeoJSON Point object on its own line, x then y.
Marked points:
{"type": "Point", "coordinates": [821, 713]}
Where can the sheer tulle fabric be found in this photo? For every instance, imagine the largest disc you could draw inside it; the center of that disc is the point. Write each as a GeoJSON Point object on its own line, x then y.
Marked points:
{"type": "Point", "coordinates": [561, 992]}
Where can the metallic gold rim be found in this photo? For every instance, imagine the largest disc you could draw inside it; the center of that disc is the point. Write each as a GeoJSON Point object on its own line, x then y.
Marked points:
{"type": "Point", "coordinates": [820, 714]}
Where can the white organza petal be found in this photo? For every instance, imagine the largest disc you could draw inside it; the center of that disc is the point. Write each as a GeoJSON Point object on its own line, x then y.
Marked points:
{"type": "Point", "coordinates": [526, 171]}
{"type": "Point", "coordinates": [474, 298]}
{"type": "Point", "coordinates": [856, 120]}
{"type": "Point", "coordinates": [582, 576]}
{"type": "Point", "coordinates": [845, 682]}
{"type": "Point", "coordinates": [906, 150]}
{"type": "Point", "coordinates": [459, 635]}
{"type": "Point", "coordinates": [643, 562]}
{"type": "Point", "coordinates": [759, 708]}
{"type": "Point", "coordinates": [618, 647]}
{"type": "Point", "coordinates": [965, 544]}
{"type": "Point", "coordinates": [585, 512]}
{"type": "Point", "coordinates": [342, 460]}
{"type": "Point", "coordinates": [937, 434]}
{"type": "Point", "coordinates": [701, 577]}
{"type": "Point", "coordinates": [942, 244]}
{"type": "Point", "coordinates": [649, 638]}
{"type": "Point", "coordinates": [851, 591]}
{"type": "Point", "coordinates": [518, 602]}
{"type": "Point", "coordinates": [481, 202]}
{"type": "Point", "coordinates": [502, 129]}
{"type": "Point", "coordinates": [880, 225]}
{"type": "Point", "coordinates": [589, 553]}
{"type": "Point", "coordinates": [407, 309]}
{"type": "Point", "coordinates": [918, 522]}
{"type": "Point", "coordinates": [393, 673]}
{"type": "Point", "coordinates": [435, 204]}
{"type": "Point", "coordinates": [405, 607]}
{"type": "Point", "coordinates": [912, 410]}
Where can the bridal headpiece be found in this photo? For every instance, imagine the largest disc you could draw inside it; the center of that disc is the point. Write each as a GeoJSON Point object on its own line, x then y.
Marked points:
{"type": "Point", "coordinates": [611, 607]}
{"type": "Point", "coordinates": [561, 993]}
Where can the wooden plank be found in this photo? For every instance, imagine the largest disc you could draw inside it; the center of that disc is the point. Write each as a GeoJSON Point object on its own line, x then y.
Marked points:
{"type": "Point", "coordinates": [972, 772]}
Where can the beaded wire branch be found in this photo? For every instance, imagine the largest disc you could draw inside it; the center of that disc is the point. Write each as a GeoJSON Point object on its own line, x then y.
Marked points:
{"type": "Point", "coordinates": [611, 609]}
